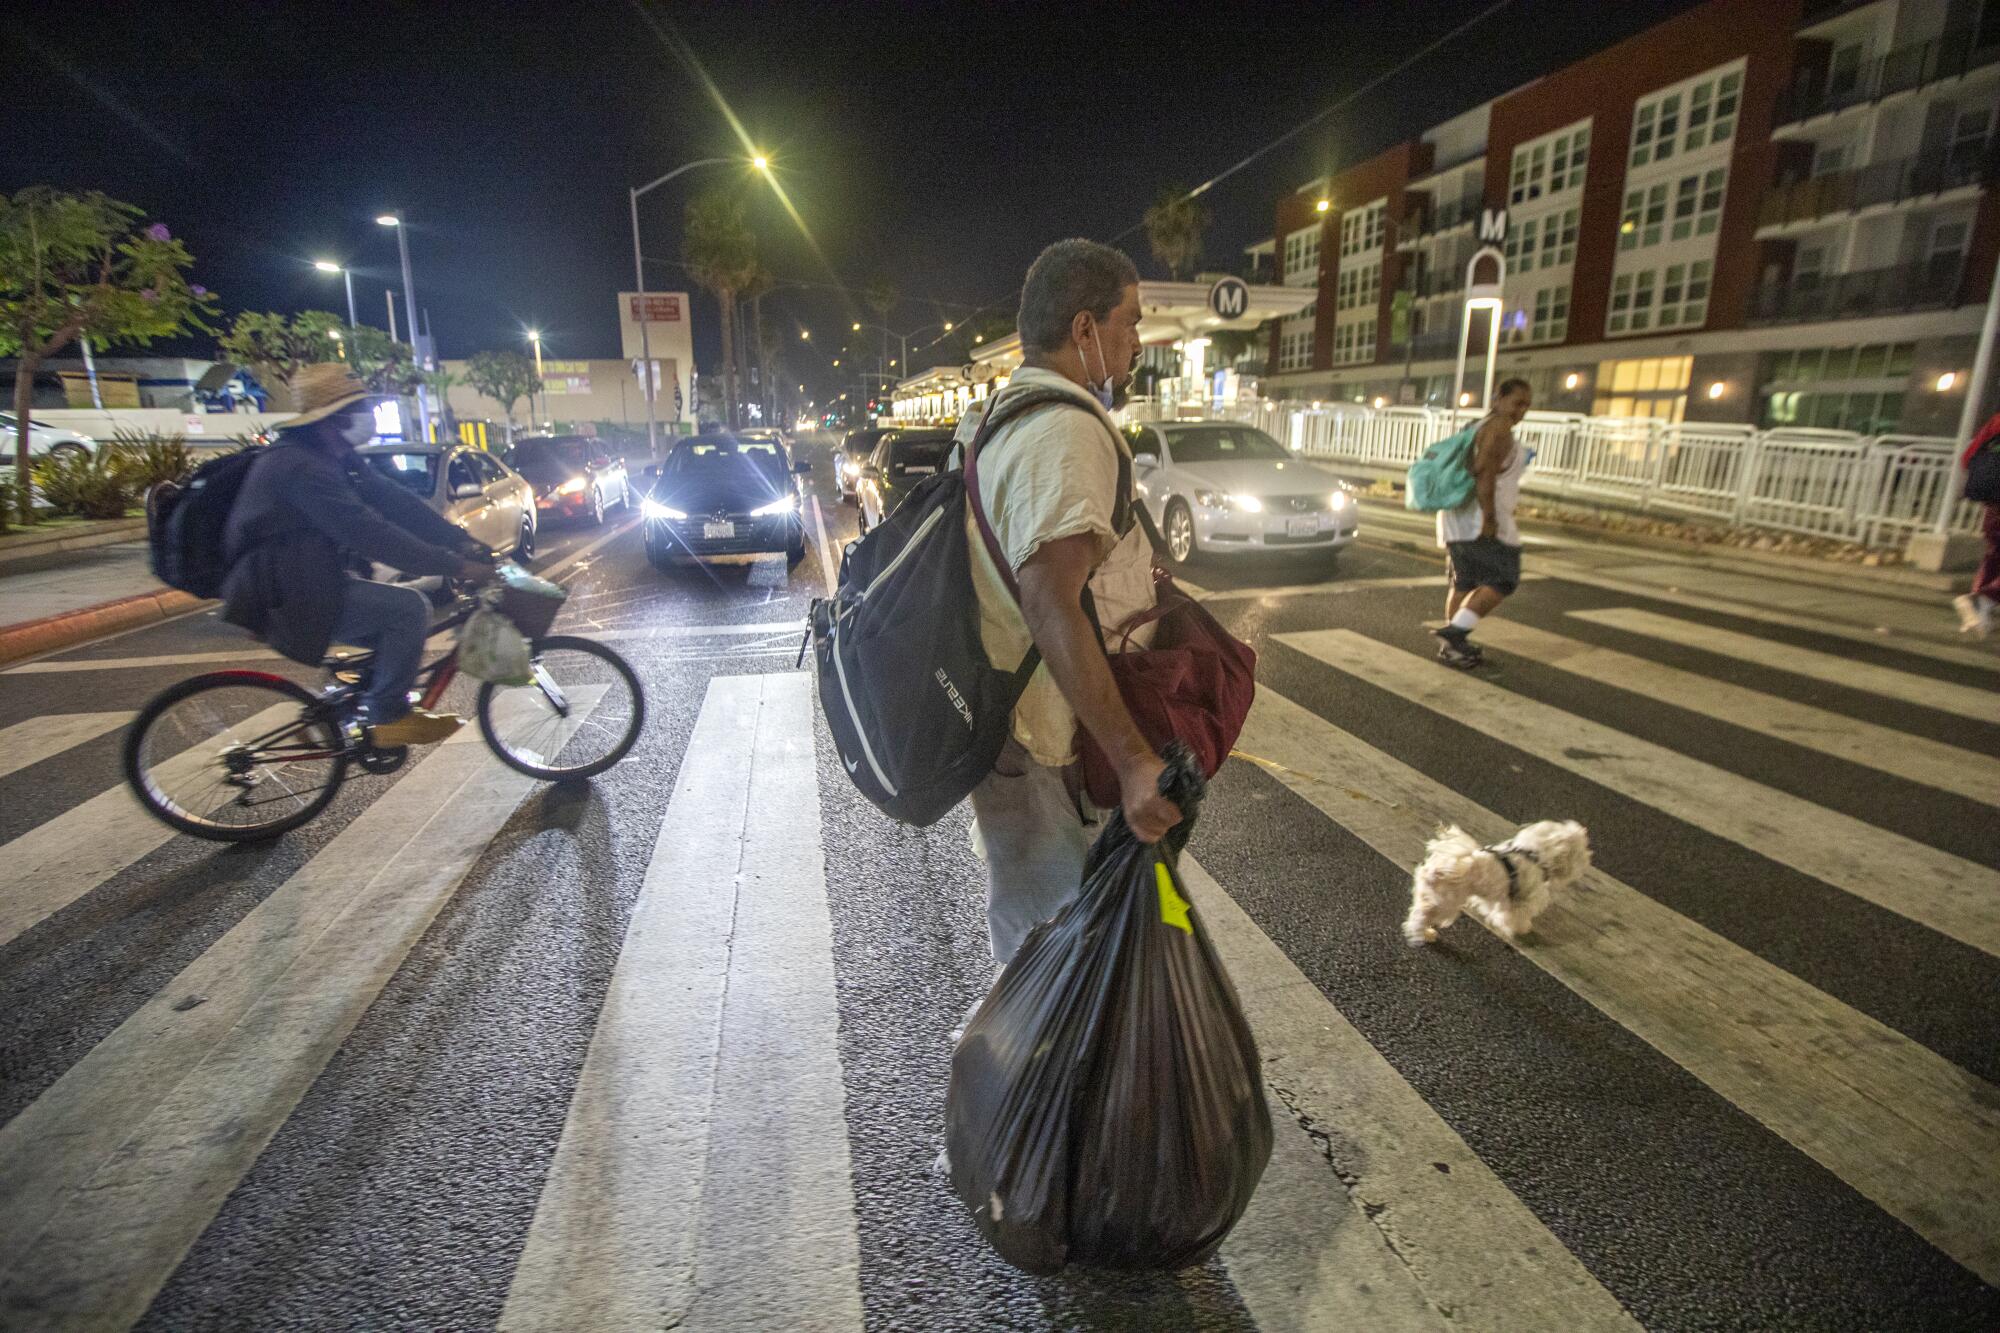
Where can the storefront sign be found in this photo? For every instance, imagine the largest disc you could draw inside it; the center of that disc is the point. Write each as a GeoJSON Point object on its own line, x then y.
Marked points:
{"type": "Point", "coordinates": [1229, 298]}
{"type": "Point", "coordinates": [661, 307]}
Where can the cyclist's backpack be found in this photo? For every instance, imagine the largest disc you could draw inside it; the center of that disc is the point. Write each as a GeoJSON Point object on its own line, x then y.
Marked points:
{"type": "Point", "coordinates": [916, 709]}
{"type": "Point", "coordinates": [1442, 478]}
{"type": "Point", "coordinates": [185, 521]}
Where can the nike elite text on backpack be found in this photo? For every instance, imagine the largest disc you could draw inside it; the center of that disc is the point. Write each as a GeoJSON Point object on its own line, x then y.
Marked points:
{"type": "Point", "coordinates": [1442, 478]}
{"type": "Point", "coordinates": [917, 711]}
{"type": "Point", "coordinates": [185, 521]}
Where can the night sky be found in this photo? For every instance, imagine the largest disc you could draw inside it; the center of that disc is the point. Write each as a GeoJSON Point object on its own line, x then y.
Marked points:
{"type": "Point", "coordinates": [937, 145]}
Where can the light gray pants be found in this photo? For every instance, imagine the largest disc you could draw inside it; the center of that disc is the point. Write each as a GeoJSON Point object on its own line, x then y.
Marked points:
{"type": "Point", "coordinates": [1036, 835]}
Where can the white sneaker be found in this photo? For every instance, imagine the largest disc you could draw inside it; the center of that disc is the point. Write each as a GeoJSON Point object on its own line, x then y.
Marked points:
{"type": "Point", "coordinates": [1975, 614]}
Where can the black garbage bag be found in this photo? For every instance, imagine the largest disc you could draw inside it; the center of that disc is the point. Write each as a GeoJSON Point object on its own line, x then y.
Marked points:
{"type": "Point", "coordinates": [1106, 1105]}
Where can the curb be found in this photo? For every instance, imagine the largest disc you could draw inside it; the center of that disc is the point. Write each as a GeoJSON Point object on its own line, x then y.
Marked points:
{"type": "Point", "coordinates": [51, 634]}
{"type": "Point", "coordinates": [22, 546]}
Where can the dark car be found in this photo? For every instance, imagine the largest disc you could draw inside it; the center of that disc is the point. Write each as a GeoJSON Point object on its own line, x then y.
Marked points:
{"type": "Point", "coordinates": [574, 476]}
{"type": "Point", "coordinates": [718, 495]}
{"type": "Point", "coordinates": [853, 456]}
{"type": "Point", "coordinates": [902, 459]}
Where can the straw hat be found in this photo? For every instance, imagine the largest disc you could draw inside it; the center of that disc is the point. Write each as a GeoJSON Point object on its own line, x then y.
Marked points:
{"type": "Point", "coordinates": [322, 389]}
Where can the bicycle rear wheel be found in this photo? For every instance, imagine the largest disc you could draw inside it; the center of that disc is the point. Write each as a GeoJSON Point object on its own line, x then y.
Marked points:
{"type": "Point", "coordinates": [580, 716]}
{"type": "Point", "coordinates": [234, 756]}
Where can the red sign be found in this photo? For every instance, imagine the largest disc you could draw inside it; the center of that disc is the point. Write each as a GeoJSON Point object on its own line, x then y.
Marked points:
{"type": "Point", "coordinates": [663, 308]}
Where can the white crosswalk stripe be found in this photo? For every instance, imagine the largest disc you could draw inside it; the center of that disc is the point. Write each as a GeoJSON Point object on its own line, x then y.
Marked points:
{"type": "Point", "coordinates": [1901, 1124]}
{"type": "Point", "coordinates": [38, 738]}
{"type": "Point", "coordinates": [1916, 758]}
{"type": "Point", "coordinates": [702, 1178]}
{"type": "Point", "coordinates": [1979, 705]}
{"type": "Point", "coordinates": [1933, 888]}
{"type": "Point", "coordinates": [110, 1175]}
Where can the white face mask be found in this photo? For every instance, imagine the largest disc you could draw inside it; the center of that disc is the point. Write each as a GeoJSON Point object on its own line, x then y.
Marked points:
{"type": "Point", "coordinates": [1102, 389]}
{"type": "Point", "coordinates": [357, 428]}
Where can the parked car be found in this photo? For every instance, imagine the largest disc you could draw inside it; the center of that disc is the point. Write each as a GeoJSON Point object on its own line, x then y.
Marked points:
{"type": "Point", "coordinates": [574, 476]}
{"type": "Point", "coordinates": [719, 494]}
{"type": "Point", "coordinates": [767, 434]}
{"type": "Point", "coordinates": [1216, 486]}
{"type": "Point", "coordinates": [41, 439]}
{"type": "Point", "coordinates": [852, 456]}
{"type": "Point", "coordinates": [902, 459]}
{"type": "Point", "coordinates": [470, 487]}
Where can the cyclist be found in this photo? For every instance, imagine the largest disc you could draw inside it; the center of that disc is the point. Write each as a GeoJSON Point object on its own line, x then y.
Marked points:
{"type": "Point", "coordinates": [308, 509]}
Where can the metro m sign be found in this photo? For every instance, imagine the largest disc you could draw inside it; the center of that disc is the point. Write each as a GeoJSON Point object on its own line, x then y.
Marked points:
{"type": "Point", "coordinates": [1492, 226]}
{"type": "Point", "coordinates": [661, 308]}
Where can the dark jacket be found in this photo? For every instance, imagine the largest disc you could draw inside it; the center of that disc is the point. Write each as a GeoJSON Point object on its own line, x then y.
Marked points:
{"type": "Point", "coordinates": [304, 513]}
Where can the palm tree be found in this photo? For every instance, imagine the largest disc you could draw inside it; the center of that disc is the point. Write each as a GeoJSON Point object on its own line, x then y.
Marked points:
{"type": "Point", "coordinates": [1174, 225]}
{"type": "Point", "coordinates": [721, 254]}
{"type": "Point", "coordinates": [761, 281]}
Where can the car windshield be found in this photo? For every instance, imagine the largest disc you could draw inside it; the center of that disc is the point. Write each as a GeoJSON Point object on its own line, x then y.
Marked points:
{"type": "Point", "coordinates": [416, 471]}
{"type": "Point", "coordinates": [925, 451]}
{"type": "Point", "coordinates": [1224, 444]}
{"type": "Point", "coordinates": [552, 460]}
{"type": "Point", "coordinates": [714, 458]}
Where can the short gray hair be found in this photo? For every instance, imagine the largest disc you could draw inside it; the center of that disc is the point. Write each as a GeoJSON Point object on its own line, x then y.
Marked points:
{"type": "Point", "coordinates": [1068, 277]}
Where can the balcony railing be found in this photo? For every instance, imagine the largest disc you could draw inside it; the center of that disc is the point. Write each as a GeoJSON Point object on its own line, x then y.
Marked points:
{"type": "Point", "coordinates": [1951, 54]}
{"type": "Point", "coordinates": [1879, 183]}
{"type": "Point", "coordinates": [1427, 220]}
{"type": "Point", "coordinates": [1440, 281]}
{"type": "Point", "coordinates": [1880, 291]}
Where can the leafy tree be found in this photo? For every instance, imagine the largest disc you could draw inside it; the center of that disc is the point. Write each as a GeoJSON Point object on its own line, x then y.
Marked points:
{"type": "Point", "coordinates": [81, 266]}
{"type": "Point", "coordinates": [721, 254]}
{"type": "Point", "coordinates": [1174, 226]}
{"type": "Point", "coordinates": [441, 382]}
{"type": "Point", "coordinates": [506, 377]}
{"type": "Point", "coordinates": [277, 348]}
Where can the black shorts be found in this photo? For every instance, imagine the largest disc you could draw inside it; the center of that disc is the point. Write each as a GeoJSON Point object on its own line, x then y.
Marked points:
{"type": "Point", "coordinates": [1484, 562]}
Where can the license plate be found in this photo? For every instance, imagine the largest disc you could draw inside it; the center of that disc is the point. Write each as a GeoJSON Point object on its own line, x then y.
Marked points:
{"type": "Point", "coordinates": [1302, 527]}
{"type": "Point", "coordinates": [919, 471]}
{"type": "Point", "coordinates": [718, 531]}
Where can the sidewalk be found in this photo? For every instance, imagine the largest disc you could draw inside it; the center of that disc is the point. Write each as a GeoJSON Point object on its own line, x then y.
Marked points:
{"type": "Point", "coordinates": [64, 598]}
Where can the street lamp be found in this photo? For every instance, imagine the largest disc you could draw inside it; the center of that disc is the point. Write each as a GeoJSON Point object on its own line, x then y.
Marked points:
{"type": "Point", "coordinates": [535, 337]}
{"type": "Point", "coordinates": [417, 339]}
{"type": "Point", "coordinates": [328, 266]}
{"type": "Point", "coordinates": [761, 163]}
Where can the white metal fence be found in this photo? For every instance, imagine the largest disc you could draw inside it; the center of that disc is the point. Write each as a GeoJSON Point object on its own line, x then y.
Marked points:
{"type": "Point", "coordinates": [1877, 490]}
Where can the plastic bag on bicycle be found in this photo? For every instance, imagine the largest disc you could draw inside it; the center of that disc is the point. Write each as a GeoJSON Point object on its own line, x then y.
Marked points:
{"type": "Point", "coordinates": [491, 648]}
{"type": "Point", "coordinates": [530, 603]}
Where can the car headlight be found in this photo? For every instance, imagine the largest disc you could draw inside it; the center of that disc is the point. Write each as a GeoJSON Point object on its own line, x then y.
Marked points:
{"type": "Point", "coordinates": [780, 506]}
{"type": "Point", "coordinates": [851, 468]}
{"type": "Point", "coordinates": [1249, 504]}
{"type": "Point", "coordinates": [1340, 501]}
{"type": "Point", "coordinates": [572, 486]}
{"type": "Point", "coordinates": [652, 508]}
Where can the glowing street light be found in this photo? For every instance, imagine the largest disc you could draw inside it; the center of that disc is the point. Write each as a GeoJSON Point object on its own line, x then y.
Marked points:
{"type": "Point", "coordinates": [857, 326]}
{"type": "Point", "coordinates": [1323, 205]}
{"type": "Point", "coordinates": [805, 335]}
{"type": "Point", "coordinates": [417, 340]}
{"type": "Point", "coordinates": [328, 266]}
{"type": "Point", "coordinates": [761, 162]}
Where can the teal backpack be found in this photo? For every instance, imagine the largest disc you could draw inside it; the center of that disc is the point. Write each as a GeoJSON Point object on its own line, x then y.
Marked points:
{"type": "Point", "coordinates": [1442, 478]}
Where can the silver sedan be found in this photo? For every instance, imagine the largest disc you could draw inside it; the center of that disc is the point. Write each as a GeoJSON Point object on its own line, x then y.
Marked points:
{"type": "Point", "coordinates": [1216, 487]}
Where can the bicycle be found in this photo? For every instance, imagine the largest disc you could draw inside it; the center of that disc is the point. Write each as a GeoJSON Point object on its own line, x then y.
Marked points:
{"type": "Point", "coordinates": [243, 755]}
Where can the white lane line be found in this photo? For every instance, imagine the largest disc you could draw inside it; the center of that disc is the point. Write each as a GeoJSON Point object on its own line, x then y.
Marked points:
{"type": "Point", "coordinates": [55, 863]}
{"type": "Point", "coordinates": [826, 565]}
{"type": "Point", "coordinates": [645, 632]}
{"type": "Point", "coordinates": [47, 666]}
{"type": "Point", "coordinates": [1904, 1126]}
{"type": "Point", "coordinates": [1462, 1236]}
{"type": "Point", "coordinates": [1964, 700]}
{"type": "Point", "coordinates": [1850, 600]}
{"type": "Point", "coordinates": [703, 1178]}
{"type": "Point", "coordinates": [551, 570]}
{"type": "Point", "coordinates": [1932, 888]}
{"type": "Point", "coordinates": [1902, 643]}
{"type": "Point", "coordinates": [1336, 589]}
{"type": "Point", "coordinates": [1946, 767]}
{"type": "Point", "coordinates": [38, 738]}
{"type": "Point", "coordinates": [108, 1177]}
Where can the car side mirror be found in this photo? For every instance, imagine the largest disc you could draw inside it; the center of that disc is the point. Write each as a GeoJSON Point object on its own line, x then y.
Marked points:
{"type": "Point", "coordinates": [802, 468]}
{"type": "Point", "coordinates": [1145, 460]}
{"type": "Point", "coordinates": [651, 472]}
{"type": "Point", "coordinates": [467, 491]}
{"type": "Point", "coordinates": [871, 473]}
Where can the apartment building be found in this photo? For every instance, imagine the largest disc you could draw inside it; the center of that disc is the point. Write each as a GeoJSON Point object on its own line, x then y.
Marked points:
{"type": "Point", "coordinates": [1775, 212]}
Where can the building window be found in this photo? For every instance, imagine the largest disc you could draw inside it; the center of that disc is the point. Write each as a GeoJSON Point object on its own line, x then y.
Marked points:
{"type": "Point", "coordinates": [1295, 343]}
{"type": "Point", "coordinates": [1813, 365]}
{"type": "Point", "coordinates": [1672, 297]}
{"type": "Point", "coordinates": [1687, 117]}
{"type": "Point", "coordinates": [1302, 257]}
{"type": "Point", "coordinates": [1866, 412]}
{"type": "Point", "coordinates": [1654, 387]}
{"type": "Point", "coordinates": [1551, 164]}
{"type": "Point", "coordinates": [1359, 285]}
{"type": "Point", "coordinates": [1551, 322]}
{"type": "Point", "coordinates": [1361, 229]}
{"type": "Point", "coordinates": [1354, 342]}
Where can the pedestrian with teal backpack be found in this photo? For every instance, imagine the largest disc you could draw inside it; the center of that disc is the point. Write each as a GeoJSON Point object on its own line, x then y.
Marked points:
{"type": "Point", "coordinates": [1472, 481]}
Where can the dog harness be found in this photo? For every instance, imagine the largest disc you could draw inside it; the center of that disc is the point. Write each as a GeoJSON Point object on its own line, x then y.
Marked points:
{"type": "Point", "coordinates": [1505, 855]}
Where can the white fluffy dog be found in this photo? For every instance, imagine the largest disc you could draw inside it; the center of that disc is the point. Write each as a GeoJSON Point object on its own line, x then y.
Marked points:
{"type": "Point", "coordinates": [1506, 885]}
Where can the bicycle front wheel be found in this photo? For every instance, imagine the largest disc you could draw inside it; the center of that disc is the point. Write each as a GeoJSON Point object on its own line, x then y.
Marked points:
{"type": "Point", "coordinates": [580, 715]}
{"type": "Point", "coordinates": [234, 756]}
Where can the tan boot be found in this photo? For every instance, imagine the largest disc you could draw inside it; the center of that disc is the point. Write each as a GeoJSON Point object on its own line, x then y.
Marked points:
{"type": "Point", "coordinates": [415, 728]}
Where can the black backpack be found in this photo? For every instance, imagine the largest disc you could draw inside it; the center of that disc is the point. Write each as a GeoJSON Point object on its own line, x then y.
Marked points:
{"type": "Point", "coordinates": [185, 522]}
{"type": "Point", "coordinates": [917, 711]}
